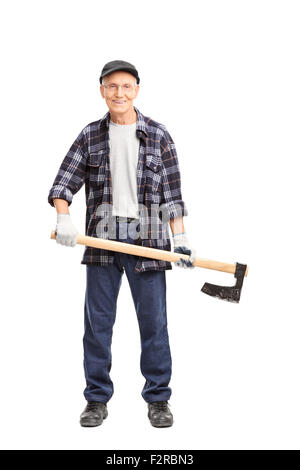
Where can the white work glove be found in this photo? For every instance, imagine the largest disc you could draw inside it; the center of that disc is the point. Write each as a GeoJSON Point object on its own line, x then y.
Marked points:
{"type": "Point", "coordinates": [182, 245]}
{"type": "Point", "coordinates": [66, 233]}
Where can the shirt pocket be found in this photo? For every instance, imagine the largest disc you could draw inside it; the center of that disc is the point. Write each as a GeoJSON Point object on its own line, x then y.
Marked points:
{"type": "Point", "coordinates": [96, 165]}
{"type": "Point", "coordinates": [153, 173]}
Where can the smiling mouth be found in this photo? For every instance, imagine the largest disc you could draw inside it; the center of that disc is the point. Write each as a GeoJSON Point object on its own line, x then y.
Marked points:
{"type": "Point", "coordinates": [119, 102]}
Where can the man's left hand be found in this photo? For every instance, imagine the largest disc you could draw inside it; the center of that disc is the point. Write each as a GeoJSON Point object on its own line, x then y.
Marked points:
{"type": "Point", "coordinates": [182, 245]}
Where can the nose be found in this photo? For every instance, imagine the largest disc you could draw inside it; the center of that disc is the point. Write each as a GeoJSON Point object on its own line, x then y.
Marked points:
{"type": "Point", "coordinates": [119, 93]}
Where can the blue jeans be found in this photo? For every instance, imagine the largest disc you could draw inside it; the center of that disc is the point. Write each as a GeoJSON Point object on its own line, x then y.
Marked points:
{"type": "Point", "coordinates": [148, 290]}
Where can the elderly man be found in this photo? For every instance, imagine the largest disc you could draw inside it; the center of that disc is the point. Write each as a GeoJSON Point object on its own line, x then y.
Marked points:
{"type": "Point", "coordinates": [129, 165]}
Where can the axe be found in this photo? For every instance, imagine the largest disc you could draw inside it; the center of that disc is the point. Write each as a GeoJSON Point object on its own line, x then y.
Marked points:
{"type": "Point", "coordinates": [231, 294]}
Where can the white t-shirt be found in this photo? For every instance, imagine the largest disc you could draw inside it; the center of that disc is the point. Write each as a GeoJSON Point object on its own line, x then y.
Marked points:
{"type": "Point", "coordinates": [124, 152]}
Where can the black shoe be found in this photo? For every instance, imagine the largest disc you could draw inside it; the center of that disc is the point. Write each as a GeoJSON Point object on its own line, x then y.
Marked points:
{"type": "Point", "coordinates": [93, 414]}
{"type": "Point", "coordinates": [159, 414]}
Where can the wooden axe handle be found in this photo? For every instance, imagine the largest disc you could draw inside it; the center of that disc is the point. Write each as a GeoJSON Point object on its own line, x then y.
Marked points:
{"type": "Point", "coordinates": [153, 253]}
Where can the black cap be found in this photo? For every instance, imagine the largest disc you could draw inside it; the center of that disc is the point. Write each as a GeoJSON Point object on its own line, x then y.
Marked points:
{"type": "Point", "coordinates": [115, 65]}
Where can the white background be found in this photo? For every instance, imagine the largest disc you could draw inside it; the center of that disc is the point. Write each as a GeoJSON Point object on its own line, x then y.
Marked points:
{"type": "Point", "coordinates": [223, 76]}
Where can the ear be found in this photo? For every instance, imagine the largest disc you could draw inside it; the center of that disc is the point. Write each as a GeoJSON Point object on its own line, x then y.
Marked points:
{"type": "Point", "coordinates": [137, 89]}
{"type": "Point", "coordinates": [102, 90]}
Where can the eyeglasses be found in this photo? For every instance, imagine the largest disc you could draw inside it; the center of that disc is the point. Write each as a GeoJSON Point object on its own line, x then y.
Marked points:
{"type": "Point", "coordinates": [128, 88]}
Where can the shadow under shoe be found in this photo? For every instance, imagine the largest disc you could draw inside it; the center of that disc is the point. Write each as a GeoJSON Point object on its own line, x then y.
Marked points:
{"type": "Point", "coordinates": [159, 414]}
{"type": "Point", "coordinates": [93, 414]}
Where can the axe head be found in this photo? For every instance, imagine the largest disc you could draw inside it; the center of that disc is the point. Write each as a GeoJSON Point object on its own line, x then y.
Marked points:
{"type": "Point", "coordinates": [231, 294]}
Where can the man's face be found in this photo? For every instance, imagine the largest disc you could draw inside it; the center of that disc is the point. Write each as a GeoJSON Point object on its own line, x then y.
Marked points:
{"type": "Point", "coordinates": [119, 91]}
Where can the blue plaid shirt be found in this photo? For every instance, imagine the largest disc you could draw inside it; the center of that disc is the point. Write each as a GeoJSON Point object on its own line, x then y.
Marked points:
{"type": "Point", "coordinates": [158, 183]}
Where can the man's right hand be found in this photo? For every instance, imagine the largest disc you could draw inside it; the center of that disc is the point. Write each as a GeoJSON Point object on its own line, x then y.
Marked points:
{"type": "Point", "coordinates": [66, 233]}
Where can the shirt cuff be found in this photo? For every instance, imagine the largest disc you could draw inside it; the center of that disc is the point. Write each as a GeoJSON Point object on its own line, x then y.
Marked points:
{"type": "Point", "coordinates": [175, 209]}
{"type": "Point", "coordinates": [60, 192]}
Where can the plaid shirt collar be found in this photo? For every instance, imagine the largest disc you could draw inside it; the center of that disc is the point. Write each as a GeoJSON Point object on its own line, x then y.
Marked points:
{"type": "Point", "coordinates": [141, 124]}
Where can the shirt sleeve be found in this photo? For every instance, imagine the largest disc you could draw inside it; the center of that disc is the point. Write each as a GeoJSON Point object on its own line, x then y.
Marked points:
{"type": "Point", "coordinates": [72, 172]}
{"type": "Point", "coordinates": [171, 183]}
